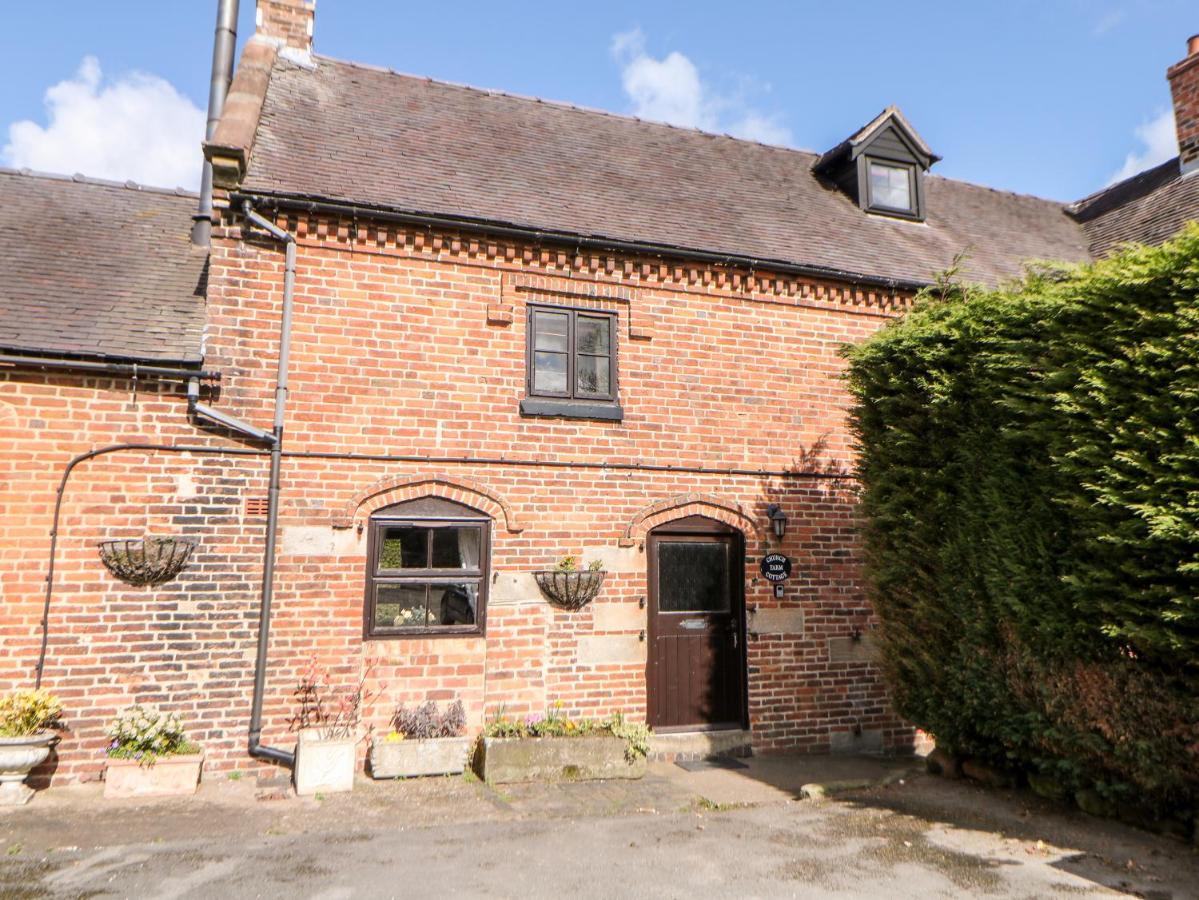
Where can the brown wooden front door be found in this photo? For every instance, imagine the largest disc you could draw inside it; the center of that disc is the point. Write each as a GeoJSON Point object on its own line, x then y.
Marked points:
{"type": "Point", "coordinates": [696, 658]}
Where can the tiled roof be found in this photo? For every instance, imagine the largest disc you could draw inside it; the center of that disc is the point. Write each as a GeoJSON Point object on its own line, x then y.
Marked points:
{"type": "Point", "coordinates": [376, 138]}
{"type": "Point", "coordinates": [99, 269]}
{"type": "Point", "coordinates": [1148, 208]}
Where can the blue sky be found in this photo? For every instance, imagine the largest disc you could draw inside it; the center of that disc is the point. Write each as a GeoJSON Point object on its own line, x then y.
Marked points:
{"type": "Point", "coordinates": [1049, 97]}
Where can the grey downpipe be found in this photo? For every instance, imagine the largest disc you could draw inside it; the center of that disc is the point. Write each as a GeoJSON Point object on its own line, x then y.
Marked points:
{"type": "Point", "coordinates": [202, 410]}
{"type": "Point", "coordinates": [224, 45]}
{"type": "Point", "coordinates": [255, 747]}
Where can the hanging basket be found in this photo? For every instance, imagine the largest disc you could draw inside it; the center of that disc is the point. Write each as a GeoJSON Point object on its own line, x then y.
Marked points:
{"type": "Point", "coordinates": [569, 590]}
{"type": "Point", "coordinates": [150, 560]}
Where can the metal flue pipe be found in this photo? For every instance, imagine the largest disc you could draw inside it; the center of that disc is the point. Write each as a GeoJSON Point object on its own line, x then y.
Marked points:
{"type": "Point", "coordinates": [224, 45]}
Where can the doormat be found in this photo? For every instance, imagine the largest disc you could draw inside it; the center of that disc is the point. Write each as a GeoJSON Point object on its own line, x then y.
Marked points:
{"type": "Point", "coordinates": [719, 762]}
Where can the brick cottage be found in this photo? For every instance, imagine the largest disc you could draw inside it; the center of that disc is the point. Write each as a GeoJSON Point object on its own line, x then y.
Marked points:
{"type": "Point", "coordinates": [515, 331]}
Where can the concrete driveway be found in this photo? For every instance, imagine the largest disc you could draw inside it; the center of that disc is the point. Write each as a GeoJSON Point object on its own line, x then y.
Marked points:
{"type": "Point", "coordinates": [673, 834]}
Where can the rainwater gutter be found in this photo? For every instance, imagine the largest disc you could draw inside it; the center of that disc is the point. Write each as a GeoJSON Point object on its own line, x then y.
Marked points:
{"type": "Point", "coordinates": [123, 370]}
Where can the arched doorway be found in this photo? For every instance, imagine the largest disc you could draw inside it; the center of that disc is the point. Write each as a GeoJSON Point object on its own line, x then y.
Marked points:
{"type": "Point", "coordinates": [695, 678]}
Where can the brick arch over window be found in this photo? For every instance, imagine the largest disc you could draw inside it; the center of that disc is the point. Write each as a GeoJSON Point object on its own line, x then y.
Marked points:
{"type": "Point", "coordinates": [398, 488]}
{"type": "Point", "coordinates": [727, 511]}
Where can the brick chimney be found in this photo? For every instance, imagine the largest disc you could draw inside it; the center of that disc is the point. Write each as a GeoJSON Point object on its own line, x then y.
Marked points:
{"type": "Point", "coordinates": [1184, 85]}
{"type": "Point", "coordinates": [288, 24]}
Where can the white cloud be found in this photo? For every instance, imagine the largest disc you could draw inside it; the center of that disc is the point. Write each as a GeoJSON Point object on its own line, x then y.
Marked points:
{"type": "Point", "coordinates": [1108, 21]}
{"type": "Point", "coordinates": [1159, 143]}
{"type": "Point", "coordinates": [671, 90]}
{"type": "Point", "coordinates": [136, 127]}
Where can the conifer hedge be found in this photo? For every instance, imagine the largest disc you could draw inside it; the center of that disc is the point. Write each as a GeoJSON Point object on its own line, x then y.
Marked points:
{"type": "Point", "coordinates": [1029, 465]}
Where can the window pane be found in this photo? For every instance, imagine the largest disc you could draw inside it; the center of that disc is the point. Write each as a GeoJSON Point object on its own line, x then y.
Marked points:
{"type": "Point", "coordinates": [400, 606]}
{"type": "Point", "coordinates": [693, 577]}
{"type": "Point", "coordinates": [550, 330]}
{"type": "Point", "coordinates": [404, 547]}
{"type": "Point", "coordinates": [591, 335]}
{"type": "Point", "coordinates": [594, 375]}
{"type": "Point", "coordinates": [890, 186]}
{"type": "Point", "coordinates": [549, 372]}
{"type": "Point", "coordinates": [456, 548]}
{"type": "Point", "coordinates": [453, 604]}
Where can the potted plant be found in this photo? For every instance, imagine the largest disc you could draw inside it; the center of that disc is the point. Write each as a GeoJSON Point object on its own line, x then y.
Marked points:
{"type": "Point", "coordinates": [554, 747]}
{"type": "Point", "coordinates": [422, 741]}
{"type": "Point", "coordinates": [327, 733]}
{"type": "Point", "coordinates": [569, 587]}
{"type": "Point", "coordinates": [149, 755]}
{"type": "Point", "coordinates": [27, 723]}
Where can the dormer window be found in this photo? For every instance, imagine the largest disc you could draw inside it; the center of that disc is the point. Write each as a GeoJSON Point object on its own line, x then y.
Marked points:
{"type": "Point", "coordinates": [881, 167]}
{"type": "Point", "coordinates": [891, 187]}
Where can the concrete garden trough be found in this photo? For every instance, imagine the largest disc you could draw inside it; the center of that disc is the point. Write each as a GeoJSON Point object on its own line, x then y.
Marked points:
{"type": "Point", "coordinates": [410, 758]}
{"type": "Point", "coordinates": [505, 760]}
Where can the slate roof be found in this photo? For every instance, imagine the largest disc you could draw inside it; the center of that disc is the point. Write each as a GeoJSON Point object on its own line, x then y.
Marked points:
{"type": "Point", "coordinates": [381, 139]}
{"type": "Point", "coordinates": [99, 269]}
{"type": "Point", "coordinates": [1148, 208]}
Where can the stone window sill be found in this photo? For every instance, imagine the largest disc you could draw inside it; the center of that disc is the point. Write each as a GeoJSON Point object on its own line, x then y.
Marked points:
{"type": "Point", "coordinates": [571, 409]}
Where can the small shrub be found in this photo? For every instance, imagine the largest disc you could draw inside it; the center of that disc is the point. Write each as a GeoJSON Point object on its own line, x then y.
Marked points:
{"type": "Point", "coordinates": [331, 714]}
{"type": "Point", "coordinates": [146, 734]}
{"type": "Point", "coordinates": [424, 722]}
{"type": "Point", "coordinates": [553, 724]}
{"type": "Point", "coordinates": [23, 713]}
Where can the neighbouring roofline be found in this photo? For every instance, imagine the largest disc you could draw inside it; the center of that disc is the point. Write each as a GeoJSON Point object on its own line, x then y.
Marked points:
{"type": "Point", "coordinates": [320, 205]}
{"type": "Point", "coordinates": [78, 178]}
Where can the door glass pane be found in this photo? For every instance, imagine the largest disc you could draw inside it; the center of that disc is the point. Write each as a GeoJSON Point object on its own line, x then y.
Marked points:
{"type": "Point", "coordinates": [404, 547]}
{"type": "Point", "coordinates": [456, 548]}
{"type": "Point", "coordinates": [591, 335]}
{"type": "Point", "coordinates": [400, 606]}
{"type": "Point", "coordinates": [693, 577]}
{"type": "Point", "coordinates": [549, 372]}
{"type": "Point", "coordinates": [594, 375]}
{"type": "Point", "coordinates": [549, 330]}
{"type": "Point", "coordinates": [453, 604]}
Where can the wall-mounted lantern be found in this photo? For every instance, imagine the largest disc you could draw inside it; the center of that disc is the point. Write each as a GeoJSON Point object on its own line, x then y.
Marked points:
{"type": "Point", "coordinates": [778, 520]}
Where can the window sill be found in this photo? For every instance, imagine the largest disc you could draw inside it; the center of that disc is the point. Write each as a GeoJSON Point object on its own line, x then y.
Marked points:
{"type": "Point", "coordinates": [418, 635]}
{"type": "Point", "coordinates": [571, 409]}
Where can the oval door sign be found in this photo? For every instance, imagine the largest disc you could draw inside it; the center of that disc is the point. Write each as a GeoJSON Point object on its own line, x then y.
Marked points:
{"type": "Point", "coordinates": [775, 567]}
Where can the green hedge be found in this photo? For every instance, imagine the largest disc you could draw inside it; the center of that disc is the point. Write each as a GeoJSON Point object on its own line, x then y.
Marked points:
{"type": "Point", "coordinates": [1029, 463]}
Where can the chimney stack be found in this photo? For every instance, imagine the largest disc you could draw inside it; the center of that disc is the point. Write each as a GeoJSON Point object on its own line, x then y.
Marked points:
{"type": "Point", "coordinates": [1184, 85]}
{"type": "Point", "coordinates": [288, 24]}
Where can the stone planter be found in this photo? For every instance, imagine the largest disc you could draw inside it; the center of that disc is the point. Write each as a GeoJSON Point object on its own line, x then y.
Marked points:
{"type": "Point", "coordinates": [169, 776]}
{"type": "Point", "coordinates": [504, 760]}
{"type": "Point", "coordinates": [18, 757]}
{"type": "Point", "coordinates": [324, 765]}
{"type": "Point", "coordinates": [410, 758]}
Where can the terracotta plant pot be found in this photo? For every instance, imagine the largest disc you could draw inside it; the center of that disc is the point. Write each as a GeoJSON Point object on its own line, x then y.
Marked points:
{"type": "Point", "coordinates": [169, 776]}
{"type": "Point", "coordinates": [324, 765]}
{"type": "Point", "coordinates": [18, 757]}
{"type": "Point", "coordinates": [410, 758]}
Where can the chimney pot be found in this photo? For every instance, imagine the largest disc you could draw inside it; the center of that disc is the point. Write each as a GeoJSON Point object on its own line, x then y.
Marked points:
{"type": "Point", "coordinates": [1193, 45]}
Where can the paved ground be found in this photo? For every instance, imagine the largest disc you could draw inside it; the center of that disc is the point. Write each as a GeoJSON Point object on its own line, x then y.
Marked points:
{"type": "Point", "coordinates": [715, 833]}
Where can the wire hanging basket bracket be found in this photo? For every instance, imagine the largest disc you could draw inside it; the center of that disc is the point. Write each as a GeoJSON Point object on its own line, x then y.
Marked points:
{"type": "Point", "coordinates": [145, 561]}
{"type": "Point", "coordinates": [569, 590]}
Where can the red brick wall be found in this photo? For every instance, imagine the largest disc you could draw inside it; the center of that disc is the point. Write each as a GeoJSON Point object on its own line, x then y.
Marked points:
{"type": "Point", "coordinates": [411, 343]}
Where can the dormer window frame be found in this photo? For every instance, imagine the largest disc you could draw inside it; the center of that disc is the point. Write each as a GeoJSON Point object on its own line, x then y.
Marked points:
{"type": "Point", "coordinates": [888, 140]}
{"type": "Point", "coordinates": [915, 209]}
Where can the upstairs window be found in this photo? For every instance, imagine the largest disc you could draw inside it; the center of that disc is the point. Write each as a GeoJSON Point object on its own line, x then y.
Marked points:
{"type": "Point", "coordinates": [571, 363]}
{"type": "Point", "coordinates": [891, 186]}
{"type": "Point", "coordinates": [428, 569]}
